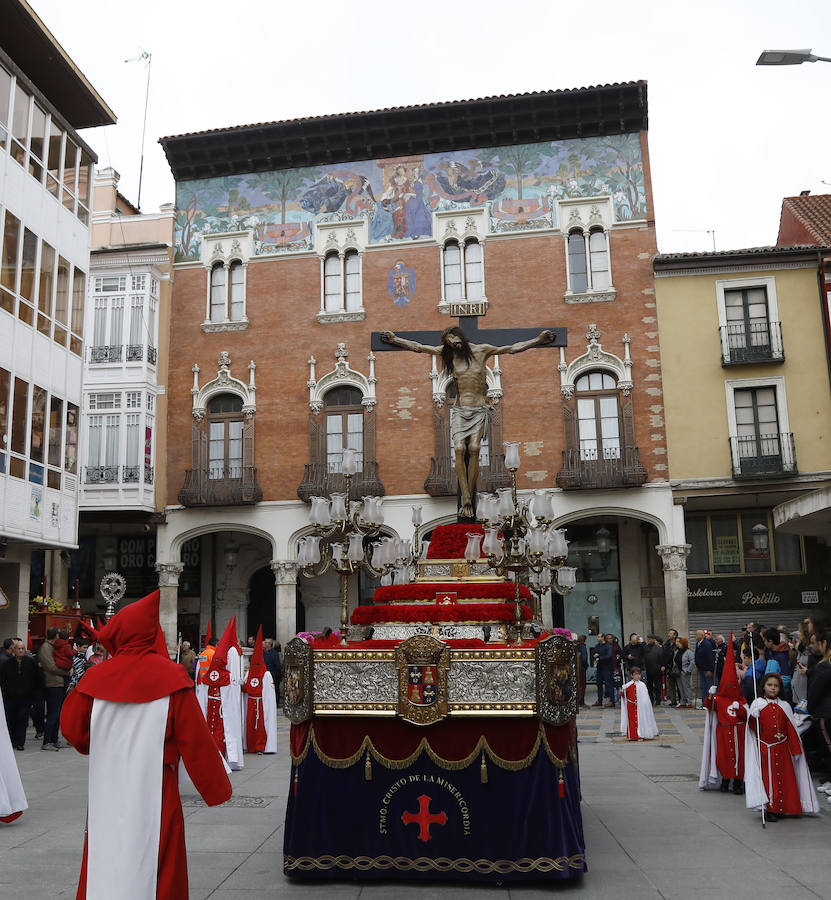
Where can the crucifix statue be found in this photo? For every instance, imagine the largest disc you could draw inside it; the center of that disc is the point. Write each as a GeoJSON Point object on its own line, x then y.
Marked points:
{"type": "Point", "coordinates": [465, 360]}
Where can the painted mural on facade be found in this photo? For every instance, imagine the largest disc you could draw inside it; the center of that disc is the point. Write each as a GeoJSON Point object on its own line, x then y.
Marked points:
{"type": "Point", "coordinates": [519, 187]}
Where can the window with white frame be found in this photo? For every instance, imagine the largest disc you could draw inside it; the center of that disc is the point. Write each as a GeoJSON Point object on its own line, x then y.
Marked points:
{"type": "Point", "coordinates": [133, 400]}
{"type": "Point", "coordinates": [760, 440]}
{"type": "Point", "coordinates": [109, 400]}
{"type": "Point", "coordinates": [103, 448]}
{"type": "Point", "coordinates": [748, 321]}
{"type": "Point", "coordinates": [344, 426]}
{"type": "Point", "coordinates": [588, 261]}
{"type": "Point", "coordinates": [226, 292]}
{"type": "Point", "coordinates": [463, 275]}
{"type": "Point", "coordinates": [107, 329]}
{"type": "Point", "coordinates": [342, 291]}
{"type": "Point", "coordinates": [598, 416]}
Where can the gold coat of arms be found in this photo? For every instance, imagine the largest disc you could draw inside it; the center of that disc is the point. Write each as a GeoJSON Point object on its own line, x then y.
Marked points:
{"type": "Point", "coordinates": [422, 664]}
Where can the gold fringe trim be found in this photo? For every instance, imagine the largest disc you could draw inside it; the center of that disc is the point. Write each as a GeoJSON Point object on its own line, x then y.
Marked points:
{"type": "Point", "coordinates": [440, 864]}
{"type": "Point", "coordinates": [451, 765]}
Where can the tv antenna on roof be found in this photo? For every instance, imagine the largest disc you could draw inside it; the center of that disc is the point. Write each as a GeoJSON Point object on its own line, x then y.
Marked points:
{"type": "Point", "coordinates": [148, 57]}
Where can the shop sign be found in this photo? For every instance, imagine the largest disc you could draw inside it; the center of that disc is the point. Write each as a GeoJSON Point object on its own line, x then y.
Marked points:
{"type": "Point", "coordinates": [748, 593]}
{"type": "Point", "coordinates": [809, 597]}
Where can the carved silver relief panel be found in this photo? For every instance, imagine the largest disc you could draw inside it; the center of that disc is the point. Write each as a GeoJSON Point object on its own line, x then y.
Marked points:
{"type": "Point", "coordinates": [492, 681]}
{"type": "Point", "coordinates": [356, 682]}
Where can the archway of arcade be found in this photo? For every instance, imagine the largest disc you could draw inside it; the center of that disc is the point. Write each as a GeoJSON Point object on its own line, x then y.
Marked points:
{"type": "Point", "coordinates": [620, 580]}
{"type": "Point", "coordinates": [225, 573]}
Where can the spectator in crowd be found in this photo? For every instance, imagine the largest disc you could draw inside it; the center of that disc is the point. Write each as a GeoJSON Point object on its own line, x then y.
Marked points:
{"type": "Point", "coordinates": [19, 683]}
{"type": "Point", "coordinates": [617, 667]}
{"type": "Point", "coordinates": [6, 651]}
{"type": "Point", "coordinates": [79, 663]}
{"type": "Point", "coordinates": [683, 668]}
{"type": "Point", "coordinates": [187, 659]}
{"type": "Point", "coordinates": [55, 689]}
{"type": "Point", "coordinates": [271, 657]}
{"type": "Point", "coordinates": [722, 651]}
{"type": "Point", "coordinates": [63, 650]}
{"type": "Point", "coordinates": [633, 653]}
{"type": "Point", "coordinates": [799, 681]}
{"type": "Point", "coordinates": [603, 658]}
{"type": "Point", "coordinates": [669, 649]}
{"type": "Point", "coordinates": [705, 661]}
{"type": "Point", "coordinates": [778, 651]}
{"type": "Point", "coordinates": [819, 707]}
{"type": "Point", "coordinates": [751, 670]}
{"type": "Point", "coordinates": [583, 650]}
{"type": "Point", "coordinates": [250, 642]}
{"type": "Point", "coordinates": [653, 656]}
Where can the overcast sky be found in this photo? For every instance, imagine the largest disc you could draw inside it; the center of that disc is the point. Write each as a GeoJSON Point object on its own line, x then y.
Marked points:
{"type": "Point", "coordinates": [727, 139]}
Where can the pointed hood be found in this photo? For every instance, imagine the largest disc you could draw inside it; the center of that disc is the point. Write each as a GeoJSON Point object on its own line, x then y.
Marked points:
{"type": "Point", "coordinates": [138, 671]}
{"type": "Point", "coordinates": [728, 685]}
{"type": "Point", "coordinates": [90, 630]}
{"type": "Point", "coordinates": [235, 637]}
{"type": "Point", "coordinates": [256, 671]}
{"type": "Point", "coordinates": [219, 662]}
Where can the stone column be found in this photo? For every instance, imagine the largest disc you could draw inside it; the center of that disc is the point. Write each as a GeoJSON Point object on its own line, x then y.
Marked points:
{"type": "Point", "coordinates": [674, 559]}
{"type": "Point", "coordinates": [285, 577]}
{"type": "Point", "coordinates": [59, 586]}
{"type": "Point", "coordinates": [169, 602]}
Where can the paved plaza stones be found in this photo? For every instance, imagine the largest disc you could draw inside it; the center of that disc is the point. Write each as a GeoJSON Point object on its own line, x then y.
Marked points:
{"type": "Point", "coordinates": [650, 832]}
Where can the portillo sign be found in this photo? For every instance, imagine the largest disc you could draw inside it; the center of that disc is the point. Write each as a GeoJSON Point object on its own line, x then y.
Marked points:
{"type": "Point", "coordinates": [759, 592]}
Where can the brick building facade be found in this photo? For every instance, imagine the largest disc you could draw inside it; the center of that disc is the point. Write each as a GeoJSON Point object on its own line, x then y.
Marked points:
{"type": "Point", "coordinates": [296, 240]}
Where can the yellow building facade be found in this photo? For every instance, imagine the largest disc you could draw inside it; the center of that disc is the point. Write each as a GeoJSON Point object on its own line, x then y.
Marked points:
{"type": "Point", "coordinates": [747, 397]}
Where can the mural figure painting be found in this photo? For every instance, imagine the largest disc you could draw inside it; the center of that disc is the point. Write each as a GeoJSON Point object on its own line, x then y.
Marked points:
{"type": "Point", "coordinates": [470, 415]}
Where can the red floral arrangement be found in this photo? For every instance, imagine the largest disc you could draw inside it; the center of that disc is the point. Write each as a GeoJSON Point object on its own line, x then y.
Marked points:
{"type": "Point", "coordinates": [450, 612]}
{"type": "Point", "coordinates": [427, 590]}
{"type": "Point", "coordinates": [449, 541]}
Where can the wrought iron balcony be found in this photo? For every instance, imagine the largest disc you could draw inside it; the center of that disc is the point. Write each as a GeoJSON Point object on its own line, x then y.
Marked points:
{"type": "Point", "coordinates": [148, 474]}
{"type": "Point", "coordinates": [442, 481]}
{"type": "Point", "coordinates": [583, 470]}
{"type": "Point", "coordinates": [766, 456]}
{"type": "Point", "coordinates": [212, 486]}
{"type": "Point", "coordinates": [758, 342]}
{"type": "Point", "coordinates": [135, 352]}
{"type": "Point", "coordinates": [101, 475]}
{"type": "Point", "coordinates": [106, 354]}
{"type": "Point", "coordinates": [318, 482]}
{"type": "Point", "coordinates": [151, 355]}
{"type": "Point", "coordinates": [130, 474]}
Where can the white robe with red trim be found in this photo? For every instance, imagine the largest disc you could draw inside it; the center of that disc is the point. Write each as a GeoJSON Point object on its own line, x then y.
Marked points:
{"type": "Point", "coordinates": [637, 721]}
{"type": "Point", "coordinates": [12, 797]}
{"type": "Point", "coordinates": [265, 707]}
{"type": "Point", "coordinates": [231, 720]}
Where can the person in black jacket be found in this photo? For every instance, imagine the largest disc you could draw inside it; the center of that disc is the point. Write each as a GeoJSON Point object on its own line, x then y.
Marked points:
{"type": "Point", "coordinates": [705, 662]}
{"type": "Point", "coordinates": [818, 739]}
{"type": "Point", "coordinates": [603, 658]}
{"type": "Point", "coordinates": [653, 656]}
{"type": "Point", "coordinates": [669, 649]}
{"type": "Point", "coordinates": [271, 658]}
{"type": "Point", "coordinates": [19, 682]}
{"type": "Point", "coordinates": [633, 652]}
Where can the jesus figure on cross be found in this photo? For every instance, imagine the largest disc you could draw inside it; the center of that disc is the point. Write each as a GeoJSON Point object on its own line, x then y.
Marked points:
{"type": "Point", "coordinates": [470, 415]}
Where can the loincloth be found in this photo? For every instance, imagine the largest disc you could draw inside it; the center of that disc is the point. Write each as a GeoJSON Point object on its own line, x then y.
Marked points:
{"type": "Point", "coordinates": [467, 421]}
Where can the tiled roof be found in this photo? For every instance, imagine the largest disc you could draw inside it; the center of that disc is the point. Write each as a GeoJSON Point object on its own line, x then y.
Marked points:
{"type": "Point", "coordinates": [745, 251]}
{"type": "Point", "coordinates": [814, 213]}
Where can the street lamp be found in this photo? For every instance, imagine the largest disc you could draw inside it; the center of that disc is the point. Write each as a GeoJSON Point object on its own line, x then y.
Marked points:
{"type": "Point", "coordinates": [788, 58]}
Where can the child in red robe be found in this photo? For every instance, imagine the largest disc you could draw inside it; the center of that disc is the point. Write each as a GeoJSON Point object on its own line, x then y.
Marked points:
{"type": "Point", "coordinates": [722, 757]}
{"type": "Point", "coordinates": [637, 721]}
{"type": "Point", "coordinates": [776, 775]}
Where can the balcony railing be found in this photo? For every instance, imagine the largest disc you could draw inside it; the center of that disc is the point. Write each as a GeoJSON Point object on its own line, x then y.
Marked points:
{"type": "Point", "coordinates": [135, 352]}
{"type": "Point", "coordinates": [758, 342]}
{"type": "Point", "coordinates": [105, 354]}
{"type": "Point", "coordinates": [151, 355]}
{"type": "Point", "coordinates": [318, 482]}
{"type": "Point", "coordinates": [101, 475]}
{"type": "Point", "coordinates": [442, 481]}
{"type": "Point", "coordinates": [582, 469]}
{"type": "Point", "coordinates": [235, 486]}
{"type": "Point", "coordinates": [130, 474]}
{"type": "Point", "coordinates": [148, 474]}
{"type": "Point", "coordinates": [766, 456]}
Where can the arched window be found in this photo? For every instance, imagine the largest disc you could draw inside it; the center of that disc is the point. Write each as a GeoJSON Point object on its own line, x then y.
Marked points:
{"type": "Point", "coordinates": [237, 279]}
{"type": "Point", "coordinates": [225, 437]}
{"type": "Point", "coordinates": [577, 268]}
{"type": "Point", "coordinates": [588, 261]}
{"type": "Point", "coordinates": [463, 271]}
{"type": "Point", "coordinates": [474, 278]}
{"type": "Point", "coordinates": [352, 268]}
{"type": "Point", "coordinates": [218, 293]}
{"type": "Point", "coordinates": [344, 423]}
{"type": "Point", "coordinates": [598, 416]}
{"type": "Point", "coordinates": [452, 272]}
{"type": "Point", "coordinates": [332, 299]}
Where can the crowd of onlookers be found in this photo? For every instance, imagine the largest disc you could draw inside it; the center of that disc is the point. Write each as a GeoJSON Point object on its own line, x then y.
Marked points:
{"type": "Point", "coordinates": [34, 682]}
{"type": "Point", "coordinates": [679, 675]}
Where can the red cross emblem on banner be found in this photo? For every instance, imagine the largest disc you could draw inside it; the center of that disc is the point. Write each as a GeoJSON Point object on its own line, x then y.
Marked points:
{"type": "Point", "coordinates": [424, 818]}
